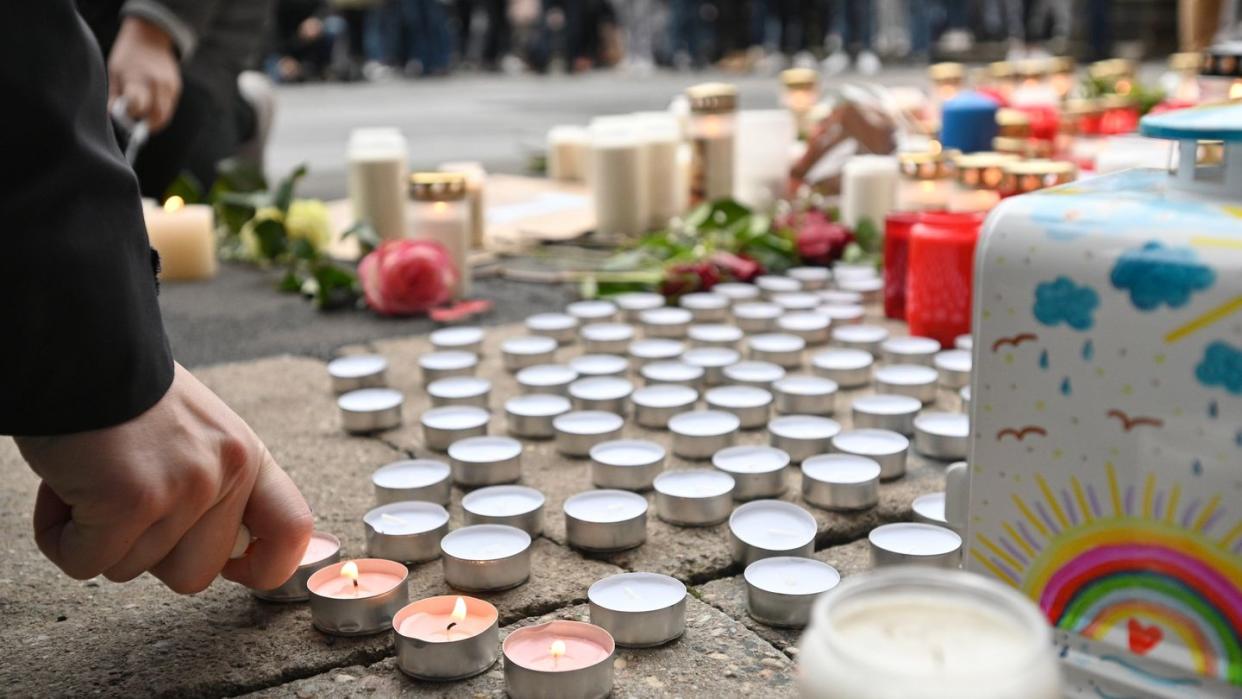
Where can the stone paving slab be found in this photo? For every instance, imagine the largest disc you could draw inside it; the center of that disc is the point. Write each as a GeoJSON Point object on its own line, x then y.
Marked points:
{"type": "Point", "coordinates": [716, 657]}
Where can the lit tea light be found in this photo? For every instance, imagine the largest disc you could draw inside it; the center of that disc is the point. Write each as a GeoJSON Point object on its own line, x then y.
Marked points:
{"type": "Point", "coordinates": [527, 350]}
{"type": "Point", "coordinates": [714, 335]}
{"type": "Point", "coordinates": [841, 482]}
{"type": "Point", "coordinates": [561, 327]}
{"type": "Point", "coordinates": [941, 435]}
{"type": "Point", "coordinates": [954, 366]}
{"type": "Point", "coordinates": [812, 326]}
{"type": "Point", "coordinates": [767, 528]}
{"type": "Point", "coordinates": [757, 316]}
{"type": "Point", "coordinates": [634, 303]}
{"type": "Point", "coordinates": [577, 432]}
{"type": "Point", "coordinates": [655, 350]}
{"type": "Point", "coordinates": [460, 390]}
{"type": "Point", "coordinates": [909, 350]}
{"type": "Point", "coordinates": [706, 307]}
{"type": "Point", "coordinates": [694, 498]}
{"type": "Point", "coordinates": [672, 372]}
{"type": "Point", "coordinates": [443, 426]}
{"type": "Point", "coordinates": [424, 480]}
{"type": "Point", "coordinates": [757, 471]}
{"type": "Point", "coordinates": [929, 509]}
{"type": "Point", "coordinates": [666, 322]}
{"type": "Point", "coordinates": [446, 638]}
{"type": "Point", "coordinates": [530, 416]}
{"type": "Point", "coordinates": [801, 394]}
{"type": "Point", "coordinates": [913, 543]}
{"type": "Point", "coordinates": [802, 436]}
{"type": "Point", "coordinates": [461, 338]}
{"type": "Point", "coordinates": [640, 610]}
{"type": "Point", "coordinates": [322, 550]}
{"type": "Point", "coordinates": [782, 349]}
{"type": "Point", "coordinates": [750, 404]}
{"type": "Point", "coordinates": [754, 373]}
{"type": "Point", "coordinates": [736, 292]}
{"type": "Point", "coordinates": [441, 365]}
{"type": "Point", "coordinates": [369, 410]}
{"type": "Point", "coordinates": [914, 380]}
{"type": "Point", "coordinates": [811, 278]}
{"type": "Point", "coordinates": [607, 338]}
{"type": "Point", "coordinates": [593, 311]}
{"type": "Point", "coordinates": [886, 412]}
{"type": "Point", "coordinates": [700, 433]}
{"type": "Point", "coordinates": [604, 393]}
{"type": "Point", "coordinates": [558, 659]}
{"type": "Point", "coordinates": [358, 371]}
{"type": "Point", "coordinates": [406, 532]}
{"type": "Point", "coordinates": [849, 368]}
{"type": "Point", "coordinates": [885, 447]}
{"type": "Point", "coordinates": [486, 557]}
{"type": "Point", "coordinates": [861, 337]}
{"type": "Point", "coordinates": [603, 521]}
{"type": "Point", "coordinates": [596, 365]}
{"type": "Point", "coordinates": [358, 597]}
{"type": "Point", "coordinates": [626, 464]}
{"type": "Point", "coordinates": [546, 378]}
{"type": "Point", "coordinates": [480, 461]}
{"type": "Point", "coordinates": [655, 405]}
{"type": "Point", "coordinates": [712, 360]}
{"type": "Point", "coordinates": [511, 505]}
{"type": "Point", "coordinates": [781, 590]}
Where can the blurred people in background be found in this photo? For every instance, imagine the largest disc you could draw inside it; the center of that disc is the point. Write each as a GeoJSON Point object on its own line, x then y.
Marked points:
{"type": "Point", "coordinates": [851, 38]}
{"type": "Point", "coordinates": [496, 35]}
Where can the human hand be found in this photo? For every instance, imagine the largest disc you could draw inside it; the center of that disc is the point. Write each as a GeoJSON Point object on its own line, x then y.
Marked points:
{"type": "Point", "coordinates": [167, 493]}
{"type": "Point", "coordinates": [143, 69]}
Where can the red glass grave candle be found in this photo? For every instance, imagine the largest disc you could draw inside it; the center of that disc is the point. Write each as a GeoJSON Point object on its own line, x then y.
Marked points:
{"type": "Point", "coordinates": [897, 227]}
{"type": "Point", "coordinates": [940, 277]}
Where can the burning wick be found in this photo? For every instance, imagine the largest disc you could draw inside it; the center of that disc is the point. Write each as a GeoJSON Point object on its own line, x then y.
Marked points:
{"type": "Point", "coordinates": [458, 615]}
{"type": "Point", "coordinates": [350, 570]}
{"type": "Point", "coordinates": [556, 650]}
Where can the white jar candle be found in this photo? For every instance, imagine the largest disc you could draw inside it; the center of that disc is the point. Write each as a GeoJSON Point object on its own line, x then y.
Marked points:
{"type": "Point", "coordinates": [377, 173]}
{"type": "Point", "coordinates": [442, 214]}
{"type": "Point", "coordinates": [868, 190]}
{"type": "Point", "coordinates": [714, 108]}
{"type": "Point", "coordinates": [569, 153]}
{"type": "Point", "coordinates": [618, 167]}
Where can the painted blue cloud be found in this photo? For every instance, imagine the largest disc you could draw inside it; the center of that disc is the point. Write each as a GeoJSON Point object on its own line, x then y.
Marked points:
{"type": "Point", "coordinates": [1221, 366]}
{"type": "Point", "coordinates": [1063, 301]}
{"type": "Point", "coordinates": [1155, 274]}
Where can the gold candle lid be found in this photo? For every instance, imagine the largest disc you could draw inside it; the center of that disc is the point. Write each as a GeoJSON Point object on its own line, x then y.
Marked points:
{"type": "Point", "coordinates": [437, 186]}
{"type": "Point", "coordinates": [983, 170]}
{"type": "Point", "coordinates": [946, 72]}
{"type": "Point", "coordinates": [1001, 70]}
{"type": "Point", "coordinates": [712, 98]}
{"type": "Point", "coordinates": [1008, 116]}
{"type": "Point", "coordinates": [1185, 61]}
{"type": "Point", "coordinates": [927, 164]}
{"type": "Point", "coordinates": [1222, 60]}
{"type": "Point", "coordinates": [798, 78]}
{"type": "Point", "coordinates": [1111, 69]}
{"type": "Point", "coordinates": [1025, 176]}
{"type": "Point", "coordinates": [1060, 168]}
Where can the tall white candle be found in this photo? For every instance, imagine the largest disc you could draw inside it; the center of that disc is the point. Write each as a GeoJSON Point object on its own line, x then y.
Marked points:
{"type": "Point", "coordinates": [568, 153]}
{"type": "Point", "coordinates": [764, 141]}
{"type": "Point", "coordinates": [618, 178]}
{"type": "Point", "coordinates": [476, 180]}
{"type": "Point", "coordinates": [662, 142]}
{"type": "Point", "coordinates": [377, 179]}
{"type": "Point", "coordinates": [184, 237]}
{"type": "Point", "coordinates": [441, 214]}
{"type": "Point", "coordinates": [868, 189]}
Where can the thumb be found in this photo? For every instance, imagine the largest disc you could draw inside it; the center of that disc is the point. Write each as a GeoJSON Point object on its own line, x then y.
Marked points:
{"type": "Point", "coordinates": [280, 522]}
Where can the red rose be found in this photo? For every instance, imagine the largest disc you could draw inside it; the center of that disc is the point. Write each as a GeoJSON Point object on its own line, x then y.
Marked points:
{"type": "Point", "coordinates": [404, 277]}
{"type": "Point", "coordinates": [820, 241]}
{"type": "Point", "coordinates": [739, 267]}
{"type": "Point", "coordinates": [687, 277]}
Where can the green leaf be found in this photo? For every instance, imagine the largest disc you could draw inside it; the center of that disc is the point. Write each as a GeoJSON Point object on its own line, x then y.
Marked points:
{"type": "Point", "coordinates": [284, 190]}
{"type": "Point", "coordinates": [290, 283]}
{"type": "Point", "coordinates": [187, 187]}
{"type": "Point", "coordinates": [868, 235]}
{"type": "Point", "coordinates": [237, 175]}
{"type": "Point", "coordinates": [272, 240]}
{"type": "Point", "coordinates": [336, 287]}
{"type": "Point", "coordinates": [248, 200]}
{"type": "Point", "coordinates": [368, 237]}
{"type": "Point", "coordinates": [301, 249]}
{"type": "Point", "coordinates": [717, 215]}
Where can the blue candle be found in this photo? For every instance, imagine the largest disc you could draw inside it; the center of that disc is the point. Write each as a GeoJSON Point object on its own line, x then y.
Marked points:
{"type": "Point", "coordinates": [968, 122]}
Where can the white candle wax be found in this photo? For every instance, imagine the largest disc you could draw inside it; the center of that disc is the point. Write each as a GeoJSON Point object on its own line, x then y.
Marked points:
{"type": "Point", "coordinates": [777, 284]}
{"type": "Point", "coordinates": [661, 139]}
{"type": "Point", "coordinates": [665, 396]}
{"type": "Point", "coordinates": [607, 333]}
{"type": "Point", "coordinates": [868, 189]}
{"type": "Point", "coordinates": [588, 422]}
{"type": "Point", "coordinates": [377, 179]}
{"type": "Point", "coordinates": [636, 592]}
{"type": "Point", "coordinates": [455, 417]}
{"type": "Point", "coordinates": [405, 518]}
{"type": "Point", "coordinates": [752, 372]}
{"type": "Point", "coordinates": [458, 388]}
{"type": "Point", "coordinates": [590, 365]}
{"type": "Point", "coordinates": [485, 450]}
{"type": "Point", "coordinates": [476, 178]}
{"type": "Point", "coordinates": [929, 508]}
{"type": "Point", "coordinates": [796, 300]}
{"type": "Point", "coordinates": [671, 372]}
{"type": "Point", "coordinates": [546, 378]}
{"type": "Point", "coordinates": [773, 525]}
{"type": "Point", "coordinates": [737, 292]}
{"type": "Point", "coordinates": [466, 338]}
{"type": "Point", "coordinates": [923, 195]}
{"type": "Point", "coordinates": [859, 335]}
{"type": "Point", "coordinates": [714, 334]}
{"type": "Point", "coordinates": [764, 140]}
{"type": "Point", "coordinates": [502, 501]}
{"type": "Point", "coordinates": [485, 542]}
{"type": "Point", "coordinates": [593, 310]}
{"type": "Point", "coordinates": [568, 153]}
{"type": "Point", "coordinates": [748, 459]}
{"type": "Point", "coordinates": [184, 236]}
{"type": "Point", "coordinates": [447, 223]}
{"type": "Point", "coordinates": [913, 540]}
{"type": "Point", "coordinates": [712, 165]}
{"type": "Point", "coordinates": [787, 575]}
{"type": "Point", "coordinates": [605, 506]}
{"type": "Point", "coordinates": [656, 348]}
{"type": "Point", "coordinates": [627, 452]}
{"type": "Point", "coordinates": [410, 474]}
{"type": "Point", "coordinates": [618, 179]}
{"type": "Point", "coordinates": [694, 483]}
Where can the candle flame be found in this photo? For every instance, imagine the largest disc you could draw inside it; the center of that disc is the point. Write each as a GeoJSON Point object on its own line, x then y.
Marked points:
{"type": "Point", "coordinates": [440, 207]}
{"type": "Point", "coordinates": [557, 649]}
{"type": "Point", "coordinates": [350, 570]}
{"type": "Point", "coordinates": [459, 610]}
{"type": "Point", "coordinates": [1235, 90]}
{"type": "Point", "coordinates": [174, 203]}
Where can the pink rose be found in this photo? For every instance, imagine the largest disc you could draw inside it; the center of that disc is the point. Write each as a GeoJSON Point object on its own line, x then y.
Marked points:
{"type": "Point", "coordinates": [404, 277]}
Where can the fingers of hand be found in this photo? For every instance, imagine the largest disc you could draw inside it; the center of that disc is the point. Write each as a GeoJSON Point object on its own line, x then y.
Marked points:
{"type": "Point", "coordinates": [138, 98]}
{"type": "Point", "coordinates": [202, 552]}
{"type": "Point", "coordinates": [280, 521]}
{"type": "Point", "coordinates": [77, 540]}
{"type": "Point", "coordinates": [166, 91]}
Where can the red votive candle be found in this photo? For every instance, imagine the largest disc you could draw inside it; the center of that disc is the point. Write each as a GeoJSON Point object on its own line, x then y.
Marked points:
{"type": "Point", "coordinates": [940, 274]}
{"type": "Point", "coordinates": [897, 227]}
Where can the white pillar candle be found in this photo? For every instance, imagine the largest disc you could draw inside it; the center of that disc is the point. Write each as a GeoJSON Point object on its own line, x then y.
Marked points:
{"type": "Point", "coordinates": [661, 137]}
{"type": "Point", "coordinates": [618, 179]}
{"type": "Point", "coordinates": [868, 189]}
{"type": "Point", "coordinates": [442, 215]}
{"type": "Point", "coordinates": [377, 179]}
{"type": "Point", "coordinates": [476, 181]}
{"type": "Point", "coordinates": [185, 239]}
{"type": "Point", "coordinates": [764, 140]}
{"type": "Point", "coordinates": [569, 153]}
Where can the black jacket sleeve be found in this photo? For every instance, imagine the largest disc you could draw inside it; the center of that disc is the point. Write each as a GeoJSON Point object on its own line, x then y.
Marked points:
{"type": "Point", "coordinates": [82, 345]}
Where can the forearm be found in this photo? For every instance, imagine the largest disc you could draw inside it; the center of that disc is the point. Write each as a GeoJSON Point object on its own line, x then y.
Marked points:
{"type": "Point", "coordinates": [184, 21]}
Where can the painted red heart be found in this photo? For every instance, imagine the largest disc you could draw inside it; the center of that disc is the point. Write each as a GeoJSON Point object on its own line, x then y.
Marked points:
{"type": "Point", "coordinates": [1144, 638]}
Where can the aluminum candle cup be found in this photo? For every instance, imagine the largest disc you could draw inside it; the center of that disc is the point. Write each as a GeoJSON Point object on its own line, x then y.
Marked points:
{"type": "Point", "coordinates": [964, 342]}
{"type": "Point", "coordinates": [781, 591]}
{"type": "Point", "coordinates": [370, 410]}
{"type": "Point", "coordinates": [850, 368]}
{"type": "Point", "coordinates": [771, 284]}
{"type": "Point", "coordinates": [751, 373]}
{"type": "Point", "coordinates": [811, 326]}
{"type": "Point", "coordinates": [467, 645]}
{"type": "Point", "coordinates": [626, 464]}
{"type": "Point", "coordinates": [736, 292]}
{"type": "Point", "coordinates": [802, 394]}
{"type": "Point", "coordinates": [592, 311]}
{"type": "Point", "coordinates": [460, 390]}
{"type": "Point", "coordinates": [527, 350]}
{"type": "Point", "coordinates": [802, 436]}
{"type": "Point", "coordinates": [706, 307]}
{"type": "Point", "coordinates": [607, 338]}
{"type": "Point", "coordinates": [886, 412]}
{"type": "Point", "coordinates": [412, 479]}
{"type": "Point", "coordinates": [546, 378]}
{"type": "Point", "coordinates": [531, 416]}
{"type": "Point", "coordinates": [940, 435]}
{"type": "Point", "coordinates": [655, 350]}
{"type": "Point", "coordinates": [594, 365]}
{"type": "Point", "coordinates": [758, 471]}
{"type": "Point", "coordinates": [479, 461]}
{"type": "Point", "coordinates": [700, 433]}
{"type": "Point", "coordinates": [795, 302]}
{"type": "Point", "coordinates": [667, 322]}
{"type": "Point", "coordinates": [694, 498]}
{"type": "Point", "coordinates": [714, 335]}
{"type": "Point", "coordinates": [909, 350]}
{"type": "Point", "coordinates": [750, 404]}
{"type": "Point", "coordinates": [634, 303]}
{"type": "Point", "coordinates": [913, 543]}
{"type": "Point", "coordinates": [577, 432]}
{"type": "Point", "coordinates": [862, 337]}
{"type": "Point", "coordinates": [561, 327]}
{"type": "Point", "coordinates": [675, 372]}
{"type": "Point", "coordinates": [872, 290]}
{"type": "Point", "coordinates": [842, 313]}
{"type": "Point", "coordinates": [486, 557]}
{"type": "Point", "coordinates": [836, 297]}
{"type": "Point", "coordinates": [781, 349]}
{"type": "Point", "coordinates": [954, 368]}
{"type": "Point", "coordinates": [811, 278]}
{"type": "Point", "coordinates": [841, 482]}
{"type": "Point", "coordinates": [531, 666]}
{"type": "Point", "coordinates": [441, 365]}
{"type": "Point", "coordinates": [767, 528]}
{"type": "Point", "coordinates": [929, 509]}
{"type": "Point", "coordinates": [756, 317]}
{"type": "Point", "coordinates": [912, 380]}
{"type": "Point", "coordinates": [464, 338]}
{"type": "Point", "coordinates": [640, 610]}
{"type": "Point", "coordinates": [654, 406]}
{"type": "Point", "coordinates": [340, 607]}
{"type": "Point", "coordinates": [713, 361]}
{"type": "Point", "coordinates": [605, 393]}
{"type": "Point", "coordinates": [512, 505]}
{"type": "Point", "coordinates": [323, 550]}
{"type": "Point", "coordinates": [406, 532]}
{"type": "Point", "coordinates": [443, 426]}
{"type": "Point", "coordinates": [603, 521]}
{"type": "Point", "coordinates": [885, 447]}
{"type": "Point", "coordinates": [358, 371]}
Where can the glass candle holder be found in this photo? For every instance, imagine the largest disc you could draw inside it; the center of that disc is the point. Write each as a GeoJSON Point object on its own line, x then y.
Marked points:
{"type": "Point", "coordinates": [926, 179]}
{"type": "Point", "coordinates": [476, 179]}
{"type": "Point", "coordinates": [1220, 73]}
{"type": "Point", "coordinates": [801, 92]}
{"type": "Point", "coordinates": [940, 276]}
{"type": "Point", "coordinates": [1121, 115]}
{"type": "Point", "coordinates": [946, 80]}
{"type": "Point", "coordinates": [713, 108]}
{"type": "Point", "coordinates": [979, 177]}
{"type": "Point", "coordinates": [441, 213]}
{"type": "Point", "coordinates": [1025, 176]}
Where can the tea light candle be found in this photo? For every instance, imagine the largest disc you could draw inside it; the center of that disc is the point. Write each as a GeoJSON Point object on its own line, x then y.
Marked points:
{"type": "Point", "coordinates": [440, 212]}
{"type": "Point", "coordinates": [511, 505]}
{"type": "Point", "coordinates": [837, 297]}
{"type": "Point", "coordinates": [944, 436]}
{"type": "Point", "coordinates": [407, 532]}
{"type": "Point", "coordinates": [914, 380]}
{"type": "Point", "coordinates": [885, 447]}
{"type": "Point", "coordinates": [531, 416]}
{"type": "Point", "coordinates": [425, 480]}
{"type": "Point", "coordinates": [668, 322]}
{"type": "Point", "coordinates": [608, 394]}
{"type": "Point", "coordinates": [886, 412]}
{"type": "Point", "coordinates": [443, 426]}
{"type": "Point", "coordinates": [460, 390]}
{"type": "Point", "coordinates": [479, 461]}
{"type": "Point", "coordinates": [964, 342]}
{"type": "Point", "coordinates": [675, 372]}
{"type": "Point", "coordinates": [370, 410]}
{"type": "Point", "coordinates": [841, 482]}
{"type": "Point", "coordinates": [749, 403]}
{"type": "Point", "coordinates": [853, 271]}
{"type": "Point", "coordinates": [782, 349]}
{"type": "Point", "coordinates": [714, 335]}
{"type": "Point", "coordinates": [929, 509]}
{"type": "Point", "coordinates": [486, 557]}
{"type": "Point", "coordinates": [322, 550]}
{"type": "Point", "coordinates": [357, 597]}
{"type": "Point", "coordinates": [706, 307]}
{"type": "Point", "coordinates": [635, 302]}
{"type": "Point", "coordinates": [850, 368]}
{"type": "Point", "coordinates": [863, 337]}
{"type": "Point", "coordinates": [640, 610]}
{"type": "Point", "coordinates": [913, 543]}
{"type": "Point", "coordinates": [655, 350]}
{"type": "Point", "coordinates": [592, 311]}
{"type": "Point", "coordinates": [767, 528]}
{"type": "Point", "coordinates": [358, 371]}
{"type": "Point", "coordinates": [770, 284]}
{"type": "Point", "coordinates": [758, 471]}
{"type": "Point", "coordinates": [655, 405]}
{"type": "Point", "coordinates": [546, 379]}
{"type": "Point", "coordinates": [802, 436]}
{"type": "Point", "coordinates": [700, 433]}
{"type": "Point", "coordinates": [781, 590]}
{"type": "Point", "coordinates": [842, 313]}
{"type": "Point", "coordinates": [626, 464]}
{"type": "Point", "coordinates": [797, 301]}
{"type": "Point", "coordinates": [762, 374]}
{"type": "Point", "coordinates": [558, 659]}
{"type": "Point", "coordinates": [909, 350]}
{"type": "Point", "coordinates": [596, 365]}
{"type": "Point", "coordinates": [441, 365]}
{"type": "Point", "coordinates": [871, 289]}
{"type": "Point", "coordinates": [735, 291]}
{"type": "Point", "coordinates": [957, 496]}
{"type": "Point", "coordinates": [604, 521]}
{"type": "Point", "coordinates": [461, 338]}
{"type": "Point", "coordinates": [577, 432]}
{"type": "Point", "coordinates": [446, 638]}
{"type": "Point", "coordinates": [756, 317]}
{"type": "Point", "coordinates": [811, 326]}
{"type": "Point", "coordinates": [561, 327]}
{"type": "Point", "coordinates": [964, 396]}
{"type": "Point", "coordinates": [811, 278]}
{"type": "Point", "coordinates": [694, 498]}
{"type": "Point", "coordinates": [607, 338]}
{"type": "Point", "coordinates": [712, 360]}
{"type": "Point", "coordinates": [527, 350]}
{"type": "Point", "coordinates": [802, 394]}
{"type": "Point", "coordinates": [954, 367]}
